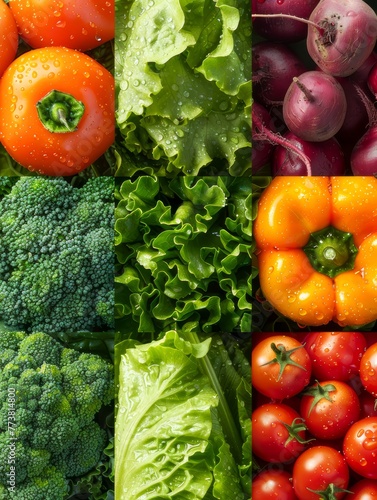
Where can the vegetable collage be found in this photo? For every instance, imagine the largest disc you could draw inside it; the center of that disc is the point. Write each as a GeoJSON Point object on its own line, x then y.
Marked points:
{"type": "Point", "coordinates": [125, 250]}
{"type": "Point", "coordinates": [314, 263]}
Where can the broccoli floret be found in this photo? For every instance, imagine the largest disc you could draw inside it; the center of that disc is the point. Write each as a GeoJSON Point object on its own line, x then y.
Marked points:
{"type": "Point", "coordinates": [54, 394]}
{"type": "Point", "coordinates": [56, 255]}
{"type": "Point", "coordinates": [51, 485]}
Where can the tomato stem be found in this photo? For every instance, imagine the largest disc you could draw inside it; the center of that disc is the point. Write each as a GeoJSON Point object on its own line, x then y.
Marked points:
{"type": "Point", "coordinates": [60, 112]}
{"type": "Point", "coordinates": [283, 358]}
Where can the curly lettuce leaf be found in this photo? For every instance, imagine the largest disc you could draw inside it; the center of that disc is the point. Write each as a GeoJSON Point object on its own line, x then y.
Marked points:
{"type": "Point", "coordinates": [183, 251]}
{"type": "Point", "coordinates": [183, 84]}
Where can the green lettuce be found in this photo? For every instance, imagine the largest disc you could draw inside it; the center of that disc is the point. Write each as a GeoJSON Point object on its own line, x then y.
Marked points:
{"type": "Point", "coordinates": [182, 426]}
{"type": "Point", "coordinates": [183, 85]}
{"type": "Point", "coordinates": [183, 252]}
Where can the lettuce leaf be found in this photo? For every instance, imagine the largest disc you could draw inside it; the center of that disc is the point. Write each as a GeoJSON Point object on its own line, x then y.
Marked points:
{"type": "Point", "coordinates": [183, 251]}
{"type": "Point", "coordinates": [183, 419]}
{"type": "Point", "coordinates": [183, 84]}
{"type": "Point", "coordinates": [163, 423]}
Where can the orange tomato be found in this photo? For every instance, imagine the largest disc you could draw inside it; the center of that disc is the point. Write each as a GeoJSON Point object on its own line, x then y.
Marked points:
{"type": "Point", "coordinates": [68, 23]}
{"type": "Point", "coordinates": [38, 92]}
{"type": "Point", "coordinates": [8, 37]}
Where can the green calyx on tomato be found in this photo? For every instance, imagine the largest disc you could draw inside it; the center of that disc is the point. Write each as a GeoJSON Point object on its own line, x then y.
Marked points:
{"type": "Point", "coordinates": [331, 251]}
{"type": "Point", "coordinates": [283, 358]}
{"type": "Point", "coordinates": [330, 492]}
{"type": "Point", "coordinates": [294, 430]}
{"type": "Point", "coordinates": [319, 392]}
{"type": "Point", "coordinates": [60, 112]}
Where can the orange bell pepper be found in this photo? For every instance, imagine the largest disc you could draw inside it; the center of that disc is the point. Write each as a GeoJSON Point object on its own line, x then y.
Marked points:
{"type": "Point", "coordinates": [316, 240]}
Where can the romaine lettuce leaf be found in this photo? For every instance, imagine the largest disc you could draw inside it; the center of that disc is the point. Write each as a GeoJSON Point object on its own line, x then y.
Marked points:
{"type": "Point", "coordinates": [163, 423]}
{"type": "Point", "coordinates": [183, 419]}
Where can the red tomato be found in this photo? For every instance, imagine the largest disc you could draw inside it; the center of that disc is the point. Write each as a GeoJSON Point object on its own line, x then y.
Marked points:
{"type": "Point", "coordinates": [280, 367]}
{"type": "Point", "coordinates": [8, 37]}
{"type": "Point", "coordinates": [67, 23]}
{"type": "Point", "coordinates": [360, 447]}
{"type": "Point", "coordinates": [335, 355]}
{"type": "Point", "coordinates": [68, 83]}
{"type": "Point", "coordinates": [272, 485]}
{"type": "Point", "coordinates": [365, 489]}
{"type": "Point", "coordinates": [329, 408]}
{"type": "Point", "coordinates": [316, 469]}
{"type": "Point", "coordinates": [368, 369]}
{"type": "Point", "coordinates": [368, 404]}
{"type": "Point", "coordinates": [278, 433]}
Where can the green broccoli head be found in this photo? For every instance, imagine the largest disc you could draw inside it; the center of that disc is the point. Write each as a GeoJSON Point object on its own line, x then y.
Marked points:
{"type": "Point", "coordinates": [54, 394]}
{"type": "Point", "coordinates": [56, 255]}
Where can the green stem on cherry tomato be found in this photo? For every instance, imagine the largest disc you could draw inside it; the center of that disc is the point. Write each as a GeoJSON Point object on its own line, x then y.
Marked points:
{"type": "Point", "coordinates": [283, 358]}
{"type": "Point", "coordinates": [330, 492]}
{"type": "Point", "coordinates": [60, 112]}
{"type": "Point", "coordinates": [294, 429]}
{"type": "Point", "coordinates": [319, 392]}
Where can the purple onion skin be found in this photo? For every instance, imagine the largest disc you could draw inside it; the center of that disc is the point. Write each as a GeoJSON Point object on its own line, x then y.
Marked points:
{"type": "Point", "coordinates": [326, 158]}
{"type": "Point", "coordinates": [318, 114]}
{"type": "Point", "coordinates": [364, 155]}
{"type": "Point", "coordinates": [349, 37]}
{"type": "Point", "coordinates": [282, 30]}
{"type": "Point", "coordinates": [262, 150]}
{"type": "Point", "coordinates": [274, 66]}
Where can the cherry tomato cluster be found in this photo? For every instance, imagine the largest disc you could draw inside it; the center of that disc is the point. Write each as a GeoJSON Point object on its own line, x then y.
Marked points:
{"type": "Point", "coordinates": [314, 419]}
{"type": "Point", "coordinates": [56, 102]}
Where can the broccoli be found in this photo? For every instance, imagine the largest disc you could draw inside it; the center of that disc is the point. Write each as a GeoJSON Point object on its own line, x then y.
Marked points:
{"type": "Point", "coordinates": [56, 255]}
{"type": "Point", "coordinates": [53, 395]}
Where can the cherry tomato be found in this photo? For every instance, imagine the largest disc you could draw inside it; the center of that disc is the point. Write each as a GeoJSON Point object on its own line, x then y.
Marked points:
{"type": "Point", "coordinates": [329, 408]}
{"type": "Point", "coordinates": [317, 468]}
{"type": "Point", "coordinates": [68, 23]}
{"type": "Point", "coordinates": [368, 369]}
{"type": "Point", "coordinates": [56, 110]}
{"type": "Point", "coordinates": [365, 489]}
{"type": "Point", "coordinates": [8, 37]}
{"type": "Point", "coordinates": [280, 367]}
{"type": "Point", "coordinates": [335, 355]}
{"type": "Point", "coordinates": [273, 485]}
{"type": "Point", "coordinates": [368, 405]}
{"type": "Point", "coordinates": [360, 447]}
{"type": "Point", "coordinates": [278, 433]}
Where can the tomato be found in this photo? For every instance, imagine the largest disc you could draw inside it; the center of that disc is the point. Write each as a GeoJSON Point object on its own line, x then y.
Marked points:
{"type": "Point", "coordinates": [40, 92]}
{"type": "Point", "coordinates": [8, 37]}
{"type": "Point", "coordinates": [280, 367]}
{"type": "Point", "coordinates": [278, 433]}
{"type": "Point", "coordinates": [329, 408]}
{"type": "Point", "coordinates": [368, 404]}
{"type": "Point", "coordinates": [365, 489]}
{"type": "Point", "coordinates": [335, 355]}
{"type": "Point", "coordinates": [360, 447]}
{"type": "Point", "coordinates": [68, 23]}
{"type": "Point", "coordinates": [273, 485]}
{"type": "Point", "coordinates": [368, 369]}
{"type": "Point", "coordinates": [317, 468]}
